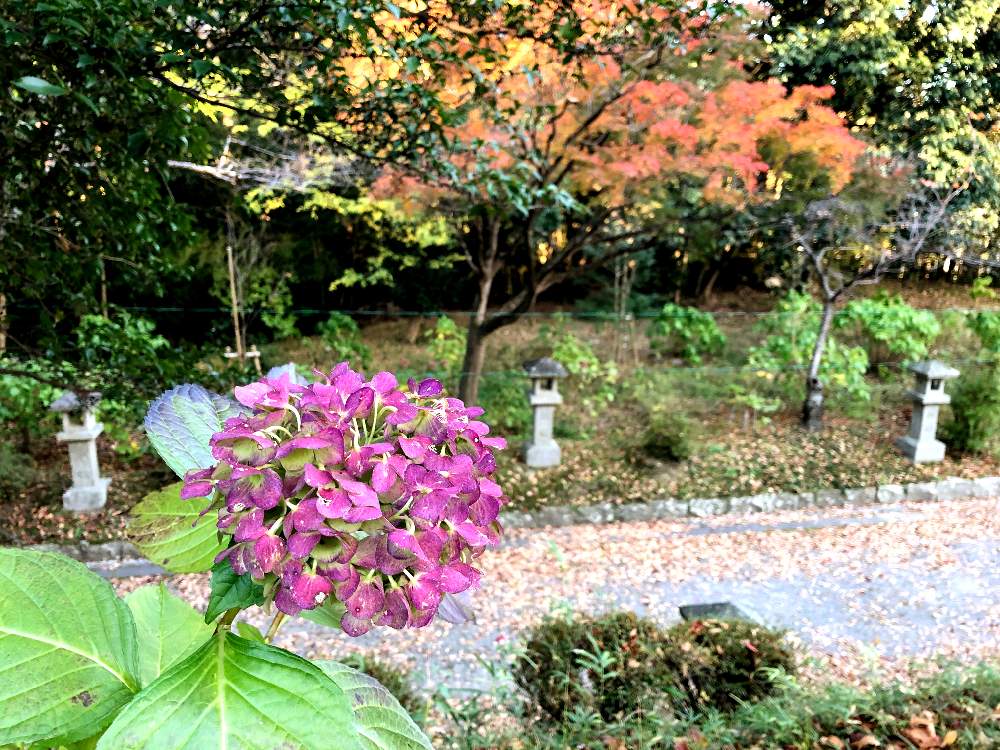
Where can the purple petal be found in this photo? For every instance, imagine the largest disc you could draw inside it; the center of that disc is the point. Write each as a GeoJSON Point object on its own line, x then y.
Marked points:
{"type": "Point", "coordinates": [367, 600]}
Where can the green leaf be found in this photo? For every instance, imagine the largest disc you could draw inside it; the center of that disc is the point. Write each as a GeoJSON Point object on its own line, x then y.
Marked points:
{"type": "Point", "coordinates": [202, 67]}
{"type": "Point", "coordinates": [68, 658]}
{"type": "Point", "coordinates": [39, 86]}
{"type": "Point", "coordinates": [381, 722]}
{"type": "Point", "coordinates": [250, 632]}
{"type": "Point", "coordinates": [180, 423]}
{"type": "Point", "coordinates": [230, 590]}
{"type": "Point", "coordinates": [329, 613]}
{"type": "Point", "coordinates": [169, 629]}
{"type": "Point", "coordinates": [235, 693]}
{"type": "Point", "coordinates": [169, 531]}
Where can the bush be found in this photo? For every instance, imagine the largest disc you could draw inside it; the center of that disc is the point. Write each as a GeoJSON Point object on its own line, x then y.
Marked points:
{"type": "Point", "coordinates": [24, 401]}
{"type": "Point", "coordinates": [618, 663]}
{"type": "Point", "coordinates": [782, 359]}
{"type": "Point", "coordinates": [666, 437]}
{"type": "Point", "coordinates": [593, 380]}
{"type": "Point", "coordinates": [974, 426]}
{"type": "Point", "coordinates": [723, 663]}
{"type": "Point", "coordinates": [686, 332]}
{"type": "Point", "coordinates": [446, 342]}
{"type": "Point", "coordinates": [17, 471]}
{"type": "Point", "coordinates": [606, 664]}
{"type": "Point", "coordinates": [343, 337]}
{"type": "Point", "coordinates": [395, 680]}
{"type": "Point", "coordinates": [503, 397]}
{"type": "Point", "coordinates": [890, 327]}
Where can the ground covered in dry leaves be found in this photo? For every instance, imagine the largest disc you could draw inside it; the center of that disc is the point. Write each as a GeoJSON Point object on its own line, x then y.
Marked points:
{"type": "Point", "coordinates": [866, 593]}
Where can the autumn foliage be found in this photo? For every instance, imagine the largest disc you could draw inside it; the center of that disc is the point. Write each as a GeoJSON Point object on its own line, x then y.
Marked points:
{"type": "Point", "coordinates": [644, 92]}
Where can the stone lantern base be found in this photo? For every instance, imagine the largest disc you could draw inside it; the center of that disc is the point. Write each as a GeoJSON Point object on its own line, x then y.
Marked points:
{"type": "Point", "coordinates": [922, 451]}
{"type": "Point", "coordinates": [542, 455]}
{"type": "Point", "coordinates": [87, 499]}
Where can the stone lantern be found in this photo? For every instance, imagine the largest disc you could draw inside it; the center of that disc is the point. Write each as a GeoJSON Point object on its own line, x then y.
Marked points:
{"type": "Point", "coordinates": [542, 450]}
{"type": "Point", "coordinates": [80, 430]}
{"type": "Point", "coordinates": [920, 445]}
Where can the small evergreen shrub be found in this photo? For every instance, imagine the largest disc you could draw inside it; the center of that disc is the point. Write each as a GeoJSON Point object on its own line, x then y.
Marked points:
{"type": "Point", "coordinates": [685, 332]}
{"type": "Point", "coordinates": [17, 471]}
{"type": "Point", "coordinates": [503, 397]}
{"type": "Point", "coordinates": [619, 663]}
{"type": "Point", "coordinates": [342, 335]}
{"type": "Point", "coordinates": [723, 663]}
{"type": "Point", "coordinates": [779, 363]}
{"type": "Point", "coordinates": [888, 328]}
{"type": "Point", "coordinates": [606, 664]}
{"type": "Point", "coordinates": [975, 411]}
{"type": "Point", "coordinates": [666, 437]}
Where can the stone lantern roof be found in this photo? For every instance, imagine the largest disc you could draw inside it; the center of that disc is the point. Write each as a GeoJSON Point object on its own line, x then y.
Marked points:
{"type": "Point", "coordinates": [933, 370]}
{"type": "Point", "coordinates": [544, 367]}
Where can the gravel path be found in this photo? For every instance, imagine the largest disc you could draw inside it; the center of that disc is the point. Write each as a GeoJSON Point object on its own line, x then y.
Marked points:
{"type": "Point", "coordinates": [860, 589]}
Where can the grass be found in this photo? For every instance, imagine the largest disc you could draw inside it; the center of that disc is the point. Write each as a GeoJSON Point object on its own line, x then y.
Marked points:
{"type": "Point", "coordinates": [953, 708]}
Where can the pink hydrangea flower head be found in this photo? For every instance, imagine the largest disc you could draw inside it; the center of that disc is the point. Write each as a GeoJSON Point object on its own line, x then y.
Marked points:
{"type": "Point", "coordinates": [376, 494]}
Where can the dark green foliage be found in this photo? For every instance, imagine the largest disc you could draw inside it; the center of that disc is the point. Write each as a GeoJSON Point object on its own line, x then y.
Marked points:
{"type": "Point", "coordinates": [961, 703]}
{"type": "Point", "coordinates": [395, 680]}
{"type": "Point", "coordinates": [505, 399]}
{"type": "Point", "coordinates": [17, 471]}
{"type": "Point", "coordinates": [620, 663]}
{"type": "Point", "coordinates": [666, 437]}
{"type": "Point", "coordinates": [607, 664]}
{"type": "Point", "coordinates": [889, 328]}
{"type": "Point", "coordinates": [686, 332]}
{"type": "Point", "coordinates": [975, 411]}
{"type": "Point", "coordinates": [342, 335]}
{"type": "Point", "coordinates": [722, 663]}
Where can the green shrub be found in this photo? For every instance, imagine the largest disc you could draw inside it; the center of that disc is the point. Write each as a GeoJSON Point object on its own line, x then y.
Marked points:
{"type": "Point", "coordinates": [503, 396]}
{"type": "Point", "coordinates": [667, 436]}
{"type": "Point", "coordinates": [24, 401]}
{"type": "Point", "coordinates": [619, 663]}
{"type": "Point", "coordinates": [17, 471]}
{"type": "Point", "coordinates": [986, 325]}
{"type": "Point", "coordinates": [446, 343]}
{"type": "Point", "coordinates": [974, 426]}
{"type": "Point", "coordinates": [889, 327]}
{"type": "Point", "coordinates": [606, 664]}
{"type": "Point", "coordinates": [781, 360]}
{"type": "Point", "coordinates": [593, 380]}
{"type": "Point", "coordinates": [341, 334]}
{"type": "Point", "coordinates": [686, 332]}
{"type": "Point", "coordinates": [395, 680]}
{"type": "Point", "coordinates": [723, 663]}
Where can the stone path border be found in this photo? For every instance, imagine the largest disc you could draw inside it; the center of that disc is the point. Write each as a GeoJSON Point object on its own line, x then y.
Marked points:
{"type": "Point", "coordinates": [121, 559]}
{"type": "Point", "coordinates": [952, 488]}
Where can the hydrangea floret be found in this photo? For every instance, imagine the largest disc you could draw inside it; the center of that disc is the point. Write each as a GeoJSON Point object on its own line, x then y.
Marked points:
{"type": "Point", "coordinates": [364, 492]}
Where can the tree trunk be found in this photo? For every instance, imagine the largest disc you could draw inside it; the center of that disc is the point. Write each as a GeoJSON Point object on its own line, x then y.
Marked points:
{"type": "Point", "coordinates": [812, 407]}
{"type": "Point", "coordinates": [472, 365]}
{"type": "Point", "coordinates": [475, 342]}
{"type": "Point", "coordinates": [708, 293]}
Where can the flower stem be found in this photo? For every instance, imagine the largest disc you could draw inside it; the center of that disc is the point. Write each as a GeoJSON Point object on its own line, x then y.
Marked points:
{"type": "Point", "coordinates": [227, 619]}
{"type": "Point", "coordinates": [275, 624]}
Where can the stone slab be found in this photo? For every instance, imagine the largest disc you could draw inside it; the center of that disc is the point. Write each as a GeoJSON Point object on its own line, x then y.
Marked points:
{"type": "Point", "coordinates": [890, 493]}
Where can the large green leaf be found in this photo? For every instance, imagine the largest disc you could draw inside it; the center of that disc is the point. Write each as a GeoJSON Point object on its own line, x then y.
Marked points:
{"type": "Point", "coordinates": [381, 722]}
{"type": "Point", "coordinates": [231, 590]}
{"type": "Point", "coordinates": [170, 532]}
{"type": "Point", "coordinates": [68, 658]}
{"type": "Point", "coordinates": [235, 693]}
{"type": "Point", "coordinates": [37, 85]}
{"type": "Point", "coordinates": [181, 422]}
{"type": "Point", "coordinates": [169, 629]}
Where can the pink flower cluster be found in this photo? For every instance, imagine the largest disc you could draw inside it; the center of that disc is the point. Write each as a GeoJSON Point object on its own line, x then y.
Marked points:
{"type": "Point", "coordinates": [374, 494]}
